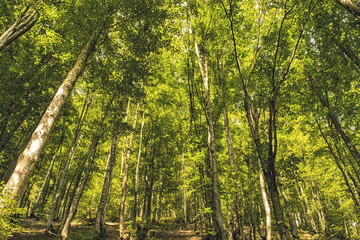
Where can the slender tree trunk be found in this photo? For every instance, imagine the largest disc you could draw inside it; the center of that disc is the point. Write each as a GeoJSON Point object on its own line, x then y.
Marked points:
{"type": "Point", "coordinates": [106, 190]}
{"type": "Point", "coordinates": [184, 187]}
{"type": "Point", "coordinates": [229, 141]}
{"type": "Point", "coordinates": [60, 189]}
{"type": "Point", "coordinates": [334, 119]}
{"type": "Point", "coordinates": [90, 156]}
{"type": "Point", "coordinates": [111, 160]}
{"type": "Point", "coordinates": [290, 215]}
{"type": "Point", "coordinates": [125, 177]}
{"type": "Point", "coordinates": [158, 200]}
{"type": "Point", "coordinates": [350, 7]}
{"type": "Point", "coordinates": [219, 218]}
{"type": "Point", "coordinates": [136, 179]}
{"type": "Point", "coordinates": [343, 170]}
{"type": "Point", "coordinates": [23, 24]}
{"type": "Point", "coordinates": [317, 202]}
{"type": "Point", "coordinates": [308, 212]}
{"type": "Point", "coordinates": [265, 201]}
{"type": "Point", "coordinates": [27, 159]}
{"type": "Point", "coordinates": [45, 182]}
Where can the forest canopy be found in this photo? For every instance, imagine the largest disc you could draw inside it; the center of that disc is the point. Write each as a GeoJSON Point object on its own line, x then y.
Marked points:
{"type": "Point", "coordinates": [237, 119]}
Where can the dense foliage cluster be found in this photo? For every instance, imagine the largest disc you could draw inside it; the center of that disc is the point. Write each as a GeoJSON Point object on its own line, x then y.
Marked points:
{"type": "Point", "coordinates": [237, 118]}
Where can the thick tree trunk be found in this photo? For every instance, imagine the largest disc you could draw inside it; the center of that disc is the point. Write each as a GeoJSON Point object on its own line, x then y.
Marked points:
{"type": "Point", "coordinates": [27, 159]}
{"type": "Point", "coordinates": [270, 172]}
{"type": "Point", "coordinates": [125, 177]}
{"type": "Point", "coordinates": [23, 24]}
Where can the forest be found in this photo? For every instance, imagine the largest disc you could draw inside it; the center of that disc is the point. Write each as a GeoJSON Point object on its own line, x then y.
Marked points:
{"type": "Point", "coordinates": [224, 119]}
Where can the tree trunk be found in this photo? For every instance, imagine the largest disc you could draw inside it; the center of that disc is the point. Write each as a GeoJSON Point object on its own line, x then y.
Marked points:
{"type": "Point", "coordinates": [90, 156]}
{"type": "Point", "coordinates": [350, 7]}
{"type": "Point", "coordinates": [184, 187]}
{"type": "Point", "coordinates": [27, 159]}
{"type": "Point", "coordinates": [106, 190]}
{"type": "Point", "coordinates": [111, 160]}
{"type": "Point", "coordinates": [219, 218]}
{"type": "Point", "coordinates": [344, 171]}
{"type": "Point", "coordinates": [60, 189]}
{"type": "Point", "coordinates": [45, 182]}
{"type": "Point", "coordinates": [136, 179]}
{"type": "Point", "coordinates": [334, 119]}
{"type": "Point", "coordinates": [308, 212]}
{"type": "Point", "coordinates": [23, 24]}
{"type": "Point", "coordinates": [290, 215]}
{"type": "Point", "coordinates": [229, 141]}
{"type": "Point", "coordinates": [125, 177]}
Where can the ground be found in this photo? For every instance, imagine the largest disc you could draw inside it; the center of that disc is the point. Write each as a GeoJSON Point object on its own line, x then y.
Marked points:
{"type": "Point", "coordinates": [34, 230]}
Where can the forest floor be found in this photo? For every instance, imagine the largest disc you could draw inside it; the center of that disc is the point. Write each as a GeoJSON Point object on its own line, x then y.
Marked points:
{"type": "Point", "coordinates": [32, 229]}
{"type": "Point", "coordinates": [35, 230]}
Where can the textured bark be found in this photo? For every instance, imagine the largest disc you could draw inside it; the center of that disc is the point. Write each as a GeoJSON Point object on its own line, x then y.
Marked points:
{"type": "Point", "coordinates": [23, 24]}
{"type": "Point", "coordinates": [270, 173]}
{"type": "Point", "coordinates": [125, 177]}
{"type": "Point", "coordinates": [27, 159]}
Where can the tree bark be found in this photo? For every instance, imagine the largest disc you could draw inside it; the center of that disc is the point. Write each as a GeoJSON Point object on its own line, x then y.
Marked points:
{"type": "Point", "coordinates": [45, 182]}
{"type": "Point", "coordinates": [219, 218]}
{"type": "Point", "coordinates": [308, 212]}
{"type": "Point", "coordinates": [125, 177]}
{"type": "Point", "coordinates": [334, 119]}
{"type": "Point", "coordinates": [230, 145]}
{"type": "Point", "coordinates": [290, 215]}
{"type": "Point", "coordinates": [350, 7]}
{"type": "Point", "coordinates": [111, 160]}
{"type": "Point", "coordinates": [23, 24]}
{"type": "Point", "coordinates": [27, 159]}
{"type": "Point", "coordinates": [106, 190]}
{"type": "Point", "coordinates": [60, 189]}
{"type": "Point", "coordinates": [90, 156]}
{"type": "Point", "coordinates": [136, 179]}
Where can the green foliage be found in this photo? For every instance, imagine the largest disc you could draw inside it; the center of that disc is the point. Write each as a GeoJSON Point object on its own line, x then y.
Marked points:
{"type": "Point", "coordinates": [8, 210]}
